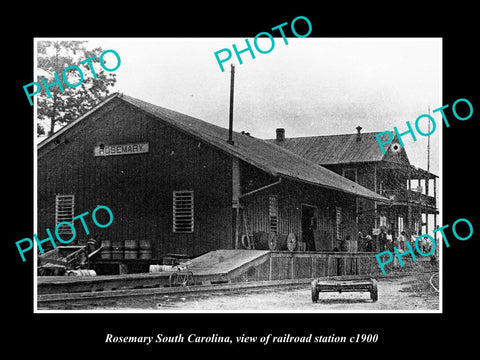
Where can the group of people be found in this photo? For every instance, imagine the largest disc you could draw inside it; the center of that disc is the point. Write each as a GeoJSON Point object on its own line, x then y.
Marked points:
{"type": "Point", "coordinates": [386, 242]}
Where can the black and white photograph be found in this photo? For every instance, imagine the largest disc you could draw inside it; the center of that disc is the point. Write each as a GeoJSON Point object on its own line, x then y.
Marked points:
{"type": "Point", "coordinates": [226, 181]}
{"type": "Point", "coordinates": [266, 185]}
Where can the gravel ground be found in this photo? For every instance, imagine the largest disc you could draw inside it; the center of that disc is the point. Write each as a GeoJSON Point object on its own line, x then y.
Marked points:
{"type": "Point", "coordinates": [408, 292]}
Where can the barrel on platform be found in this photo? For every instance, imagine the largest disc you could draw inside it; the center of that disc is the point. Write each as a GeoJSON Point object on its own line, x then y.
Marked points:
{"type": "Point", "coordinates": [145, 249]}
{"type": "Point", "coordinates": [282, 242]}
{"type": "Point", "coordinates": [117, 250]}
{"type": "Point", "coordinates": [106, 249]}
{"type": "Point", "coordinates": [131, 249]}
{"type": "Point", "coordinates": [260, 240]}
{"type": "Point", "coordinates": [277, 242]}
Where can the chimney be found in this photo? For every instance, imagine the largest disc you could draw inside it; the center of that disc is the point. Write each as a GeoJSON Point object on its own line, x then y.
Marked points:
{"type": "Point", "coordinates": [359, 136]}
{"type": "Point", "coordinates": [280, 134]}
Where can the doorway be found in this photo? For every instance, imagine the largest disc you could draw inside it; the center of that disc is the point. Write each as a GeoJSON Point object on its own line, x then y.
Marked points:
{"type": "Point", "coordinates": [309, 225]}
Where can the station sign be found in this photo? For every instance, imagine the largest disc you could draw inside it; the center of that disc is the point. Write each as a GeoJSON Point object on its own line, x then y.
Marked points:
{"type": "Point", "coordinates": [122, 149]}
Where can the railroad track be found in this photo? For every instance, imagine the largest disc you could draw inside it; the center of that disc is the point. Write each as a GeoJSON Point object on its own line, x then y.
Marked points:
{"type": "Point", "coordinates": [47, 300]}
{"type": "Point", "coordinates": [83, 299]}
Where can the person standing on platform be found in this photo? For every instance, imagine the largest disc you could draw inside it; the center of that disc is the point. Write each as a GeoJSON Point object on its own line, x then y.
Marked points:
{"type": "Point", "coordinates": [389, 240]}
{"type": "Point", "coordinates": [369, 243]}
{"type": "Point", "coordinates": [401, 241]}
{"type": "Point", "coordinates": [382, 239]}
{"type": "Point", "coordinates": [412, 238]}
{"type": "Point", "coordinates": [361, 242]}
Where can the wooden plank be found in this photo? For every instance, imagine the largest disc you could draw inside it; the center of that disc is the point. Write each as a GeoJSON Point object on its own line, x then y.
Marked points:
{"type": "Point", "coordinates": [233, 266]}
{"type": "Point", "coordinates": [224, 261]}
{"type": "Point", "coordinates": [222, 265]}
{"type": "Point", "coordinates": [302, 267]}
{"type": "Point", "coordinates": [244, 268]}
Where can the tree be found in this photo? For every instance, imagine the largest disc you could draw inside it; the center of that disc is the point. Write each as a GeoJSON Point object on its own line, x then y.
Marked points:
{"type": "Point", "coordinates": [63, 107]}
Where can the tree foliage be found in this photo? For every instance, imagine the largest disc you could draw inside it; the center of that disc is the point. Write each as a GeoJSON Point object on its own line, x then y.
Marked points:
{"type": "Point", "coordinates": [63, 107]}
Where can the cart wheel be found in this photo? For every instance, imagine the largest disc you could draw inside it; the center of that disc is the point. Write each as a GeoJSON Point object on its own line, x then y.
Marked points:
{"type": "Point", "coordinates": [374, 291]}
{"type": "Point", "coordinates": [314, 291]}
{"type": "Point", "coordinates": [190, 279]}
{"type": "Point", "coordinates": [173, 279]}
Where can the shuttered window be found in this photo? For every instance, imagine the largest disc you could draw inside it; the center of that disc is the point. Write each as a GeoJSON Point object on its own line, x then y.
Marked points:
{"type": "Point", "coordinates": [339, 223]}
{"type": "Point", "coordinates": [273, 213]}
{"type": "Point", "coordinates": [64, 211]}
{"type": "Point", "coordinates": [183, 211]}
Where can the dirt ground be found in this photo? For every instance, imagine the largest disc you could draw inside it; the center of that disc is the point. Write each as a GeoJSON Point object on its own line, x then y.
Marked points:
{"type": "Point", "coordinates": [408, 292]}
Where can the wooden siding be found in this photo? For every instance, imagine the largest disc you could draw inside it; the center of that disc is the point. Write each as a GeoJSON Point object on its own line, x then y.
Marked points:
{"type": "Point", "coordinates": [307, 265]}
{"type": "Point", "coordinates": [138, 188]}
{"type": "Point", "coordinates": [291, 196]}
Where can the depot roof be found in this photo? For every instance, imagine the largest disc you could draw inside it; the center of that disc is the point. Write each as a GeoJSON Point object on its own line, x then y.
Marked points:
{"type": "Point", "coordinates": [350, 149]}
{"type": "Point", "coordinates": [262, 154]}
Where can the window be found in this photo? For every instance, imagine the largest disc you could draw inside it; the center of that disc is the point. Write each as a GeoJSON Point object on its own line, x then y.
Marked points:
{"type": "Point", "coordinates": [339, 224]}
{"type": "Point", "coordinates": [183, 211]}
{"type": "Point", "coordinates": [64, 210]}
{"type": "Point", "coordinates": [273, 213]}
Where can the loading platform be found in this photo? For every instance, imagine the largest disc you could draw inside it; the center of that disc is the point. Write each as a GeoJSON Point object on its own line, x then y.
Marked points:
{"type": "Point", "coordinates": [225, 266]}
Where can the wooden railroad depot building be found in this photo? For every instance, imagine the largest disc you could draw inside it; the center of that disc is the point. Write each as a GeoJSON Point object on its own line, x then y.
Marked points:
{"type": "Point", "coordinates": [175, 182]}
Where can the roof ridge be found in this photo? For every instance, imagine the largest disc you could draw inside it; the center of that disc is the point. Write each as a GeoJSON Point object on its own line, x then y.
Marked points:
{"type": "Point", "coordinates": [239, 149]}
{"type": "Point", "coordinates": [332, 135]}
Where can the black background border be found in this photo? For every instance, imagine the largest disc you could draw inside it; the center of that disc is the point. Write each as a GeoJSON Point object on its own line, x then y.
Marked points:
{"type": "Point", "coordinates": [403, 332]}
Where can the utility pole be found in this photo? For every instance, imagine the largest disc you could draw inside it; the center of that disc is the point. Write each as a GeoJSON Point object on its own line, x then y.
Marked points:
{"type": "Point", "coordinates": [427, 180]}
{"type": "Point", "coordinates": [428, 144]}
{"type": "Point", "coordinates": [230, 120]}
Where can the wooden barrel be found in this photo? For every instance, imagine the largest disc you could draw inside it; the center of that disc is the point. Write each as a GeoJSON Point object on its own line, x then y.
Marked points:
{"type": "Point", "coordinates": [282, 241]}
{"type": "Point", "coordinates": [106, 249]}
{"type": "Point", "coordinates": [131, 249]}
{"type": "Point", "coordinates": [144, 249]}
{"type": "Point", "coordinates": [277, 242]}
{"type": "Point", "coordinates": [117, 250]}
{"type": "Point", "coordinates": [260, 239]}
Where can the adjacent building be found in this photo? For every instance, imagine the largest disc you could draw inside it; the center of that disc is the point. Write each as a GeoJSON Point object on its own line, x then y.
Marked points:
{"type": "Point", "coordinates": [412, 191]}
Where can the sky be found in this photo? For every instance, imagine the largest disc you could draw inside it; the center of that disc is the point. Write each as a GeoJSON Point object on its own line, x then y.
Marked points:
{"type": "Point", "coordinates": [310, 87]}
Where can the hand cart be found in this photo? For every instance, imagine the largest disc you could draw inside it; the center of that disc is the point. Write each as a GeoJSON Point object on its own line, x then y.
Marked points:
{"type": "Point", "coordinates": [63, 258]}
{"type": "Point", "coordinates": [320, 285]}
